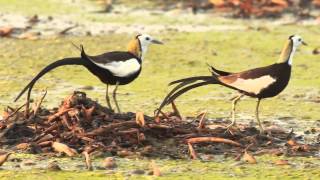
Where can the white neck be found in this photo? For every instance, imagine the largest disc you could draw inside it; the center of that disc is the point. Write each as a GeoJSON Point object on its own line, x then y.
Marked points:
{"type": "Point", "coordinates": [144, 49]}
{"type": "Point", "coordinates": [291, 55]}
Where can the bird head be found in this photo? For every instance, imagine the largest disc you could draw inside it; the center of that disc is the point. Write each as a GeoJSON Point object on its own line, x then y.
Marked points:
{"type": "Point", "coordinates": [146, 40]}
{"type": "Point", "coordinates": [297, 40]}
{"type": "Point", "coordinates": [139, 45]}
{"type": "Point", "coordinates": [289, 48]}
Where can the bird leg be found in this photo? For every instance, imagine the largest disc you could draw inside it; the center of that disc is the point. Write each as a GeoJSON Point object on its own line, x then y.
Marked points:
{"type": "Point", "coordinates": [107, 97]}
{"type": "Point", "coordinates": [114, 95]}
{"type": "Point", "coordinates": [234, 103]}
{"type": "Point", "coordinates": [257, 117]}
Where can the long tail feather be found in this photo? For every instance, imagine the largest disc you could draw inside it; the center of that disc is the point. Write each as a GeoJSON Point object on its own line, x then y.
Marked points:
{"type": "Point", "coordinates": [185, 86]}
{"type": "Point", "coordinates": [186, 81]}
{"type": "Point", "coordinates": [62, 62]}
{"type": "Point", "coordinates": [217, 72]}
{"type": "Point", "coordinates": [191, 79]}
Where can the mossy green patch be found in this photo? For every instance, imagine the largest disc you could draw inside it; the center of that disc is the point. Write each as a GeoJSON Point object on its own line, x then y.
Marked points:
{"type": "Point", "coordinates": [217, 168]}
{"type": "Point", "coordinates": [183, 55]}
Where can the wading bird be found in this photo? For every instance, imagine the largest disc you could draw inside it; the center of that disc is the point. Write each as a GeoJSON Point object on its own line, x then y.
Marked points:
{"type": "Point", "coordinates": [112, 68]}
{"type": "Point", "coordinates": [260, 83]}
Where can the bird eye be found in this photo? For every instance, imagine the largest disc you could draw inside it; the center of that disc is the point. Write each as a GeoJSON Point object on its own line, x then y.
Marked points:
{"type": "Point", "coordinates": [147, 38]}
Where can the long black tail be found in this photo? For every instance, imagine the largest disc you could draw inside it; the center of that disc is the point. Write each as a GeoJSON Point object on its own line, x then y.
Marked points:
{"type": "Point", "coordinates": [62, 62]}
{"type": "Point", "coordinates": [185, 85]}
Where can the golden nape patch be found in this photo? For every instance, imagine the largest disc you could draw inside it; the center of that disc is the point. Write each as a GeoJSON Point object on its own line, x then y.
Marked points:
{"type": "Point", "coordinates": [286, 51]}
{"type": "Point", "coordinates": [134, 47]}
{"type": "Point", "coordinates": [253, 85]}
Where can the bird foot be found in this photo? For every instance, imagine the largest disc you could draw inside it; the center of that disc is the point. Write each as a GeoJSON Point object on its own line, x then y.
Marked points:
{"type": "Point", "coordinates": [229, 128]}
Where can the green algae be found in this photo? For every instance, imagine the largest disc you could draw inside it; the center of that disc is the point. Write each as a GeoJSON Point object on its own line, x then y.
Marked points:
{"type": "Point", "coordinates": [217, 168]}
{"type": "Point", "coordinates": [234, 51]}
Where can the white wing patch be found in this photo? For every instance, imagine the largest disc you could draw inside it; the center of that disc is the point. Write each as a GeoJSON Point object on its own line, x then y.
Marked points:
{"type": "Point", "coordinates": [122, 68]}
{"type": "Point", "coordinates": [253, 85]}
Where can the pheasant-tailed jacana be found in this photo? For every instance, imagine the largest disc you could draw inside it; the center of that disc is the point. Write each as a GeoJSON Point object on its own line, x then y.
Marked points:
{"type": "Point", "coordinates": [260, 83]}
{"type": "Point", "coordinates": [112, 68]}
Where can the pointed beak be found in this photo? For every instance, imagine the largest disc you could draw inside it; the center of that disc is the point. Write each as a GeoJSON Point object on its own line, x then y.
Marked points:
{"type": "Point", "coordinates": [304, 43]}
{"type": "Point", "coordinates": [154, 41]}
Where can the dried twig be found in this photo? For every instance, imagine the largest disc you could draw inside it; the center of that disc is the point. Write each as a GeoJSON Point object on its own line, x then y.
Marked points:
{"type": "Point", "coordinates": [202, 120]}
{"type": "Point", "coordinates": [140, 119]}
{"type": "Point", "coordinates": [108, 128]}
{"type": "Point", "coordinates": [212, 139]}
{"type": "Point", "coordinates": [58, 114]}
{"type": "Point", "coordinates": [38, 103]}
{"type": "Point", "coordinates": [60, 147]}
{"type": "Point", "coordinates": [192, 152]}
{"type": "Point", "coordinates": [175, 110]}
{"type": "Point", "coordinates": [64, 31]}
{"type": "Point", "coordinates": [14, 112]}
{"type": "Point", "coordinates": [88, 160]}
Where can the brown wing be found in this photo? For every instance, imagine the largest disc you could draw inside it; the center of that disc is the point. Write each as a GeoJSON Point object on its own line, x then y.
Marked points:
{"type": "Point", "coordinates": [251, 81]}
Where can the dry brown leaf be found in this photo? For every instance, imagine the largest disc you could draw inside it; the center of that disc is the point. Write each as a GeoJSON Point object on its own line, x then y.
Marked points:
{"type": "Point", "coordinates": [291, 142]}
{"type": "Point", "coordinates": [5, 114]}
{"type": "Point", "coordinates": [109, 163]}
{"type": "Point", "coordinates": [316, 51]}
{"type": "Point", "coordinates": [124, 153]}
{"type": "Point", "coordinates": [22, 146]}
{"type": "Point", "coordinates": [157, 119]}
{"type": "Point", "coordinates": [28, 36]}
{"type": "Point", "coordinates": [316, 3]}
{"type": "Point", "coordinates": [155, 169]}
{"type": "Point", "coordinates": [4, 157]}
{"type": "Point", "coordinates": [282, 3]}
{"type": "Point", "coordinates": [249, 158]}
{"type": "Point", "coordinates": [217, 3]}
{"type": "Point", "coordinates": [282, 162]}
{"type": "Point", "coordinates": [6, 31]}
{"type": "Point", "coordinates": [60, 147]}
{"type": "Point", "coordinates": [235, 2]}
{"type": "Point", "coordinates": [140, 119]}
{"type": "Point", "coordinates": [202, 122]}
{"type": "Point", "coordinates": [88, 112]}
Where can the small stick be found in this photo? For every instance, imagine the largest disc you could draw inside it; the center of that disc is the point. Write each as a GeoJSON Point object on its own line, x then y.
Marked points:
{"type": "Point", "coordinates": [140, 119]}
{"type": "Point", "coordinates": [58, 114]}
{"type": "Point", "coordinates": [88, 160]}
{"type": "Point", "coordinates": [64, 31]}
{"type": "Point", "coordinates": [15, 111]}
{"type": "Point", "coordinates": [159, 126]}
{"type": "Point", "coordinates": [36, 109]}
{"type": "Point", "coordinates": [39, 102]}
{"type": "Point", "coordinates": [51, 128]}
{"type": "Point", "coordinates": [193, 153]}
{"type": "Point", "coordinates": [163, 114]}
{"type": "Point", "coordinates": [212, 139]}
{"type": "Point", "coordinates": [66, 122]}
{"type": "Point", "coordinates": [202, 120]}
{"type": "Point", "coordinates": [175, 110]}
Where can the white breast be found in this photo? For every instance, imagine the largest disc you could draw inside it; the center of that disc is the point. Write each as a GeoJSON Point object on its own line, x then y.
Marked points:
{"type": "Point", "coordinates": [122, 68]}
{"type": "Point", "coordinates": [253, 85]}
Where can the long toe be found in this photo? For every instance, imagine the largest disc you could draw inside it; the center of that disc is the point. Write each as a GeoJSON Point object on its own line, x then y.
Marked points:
{"type": "Point", "coordinates": [230, 127]}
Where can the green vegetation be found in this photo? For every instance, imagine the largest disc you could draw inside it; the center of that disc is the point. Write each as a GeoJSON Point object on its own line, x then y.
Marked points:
{"type": "Point", "coordinates": [235, 51]}
{"type": "Point", "coordinates": [218, 168]}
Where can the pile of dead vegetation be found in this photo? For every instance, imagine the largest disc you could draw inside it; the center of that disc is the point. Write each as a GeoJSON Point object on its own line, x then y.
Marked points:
{"type": "Point", "coordinates": [82, 126]}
